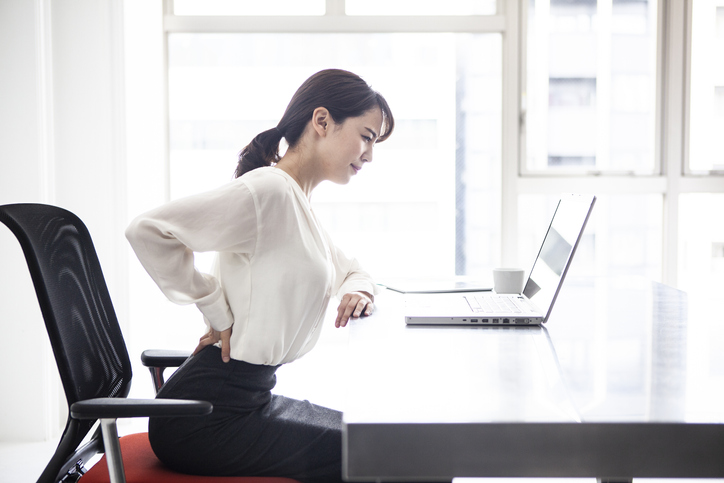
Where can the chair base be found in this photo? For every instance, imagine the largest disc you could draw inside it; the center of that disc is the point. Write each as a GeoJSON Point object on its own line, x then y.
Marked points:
{"type": "Point", "coordinates": [142, 466]}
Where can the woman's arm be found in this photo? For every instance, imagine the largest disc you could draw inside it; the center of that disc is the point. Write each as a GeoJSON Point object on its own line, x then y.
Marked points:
{"type": "Point", "coordinates": [354, 287]}
{"type": "Point", "coordinates": [165, 238]}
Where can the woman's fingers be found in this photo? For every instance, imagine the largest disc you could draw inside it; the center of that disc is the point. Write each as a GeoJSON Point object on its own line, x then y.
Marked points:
{"type": "Point", "coordinates": [354, 304]}
{"type": "Point", "coordinates": [214, 336]}
{"type": "Point", "coordinates": [206, 339]}
{"type": "Point", "coordinates": [225, 336]}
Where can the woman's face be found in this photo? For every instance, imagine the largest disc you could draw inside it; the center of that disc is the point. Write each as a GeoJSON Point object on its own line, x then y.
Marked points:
{"type": "Point", "coordinates": [348, 146]}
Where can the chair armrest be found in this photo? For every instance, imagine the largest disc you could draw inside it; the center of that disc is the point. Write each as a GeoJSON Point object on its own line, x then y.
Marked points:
{"type": "Point", "coordinates": [163, 358]}
{"type": "Point", "coordinates": [112, 408]}
{"type": "Point", "coordinates": [157, 360]}
{"type": "Point", "coordinates": [108, 409]}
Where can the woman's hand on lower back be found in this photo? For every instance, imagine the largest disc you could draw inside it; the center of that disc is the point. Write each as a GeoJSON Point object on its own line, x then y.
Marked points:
{"type": "Point", "coordinates": [214, 336]}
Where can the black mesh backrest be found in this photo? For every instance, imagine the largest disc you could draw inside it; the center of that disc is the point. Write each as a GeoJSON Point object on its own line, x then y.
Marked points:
{"type": "Point", "coordinates": [87, 342]}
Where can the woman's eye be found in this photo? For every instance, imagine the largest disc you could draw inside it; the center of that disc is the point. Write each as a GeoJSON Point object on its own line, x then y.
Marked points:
{"type": "Point", "coordinates": [367, 138]}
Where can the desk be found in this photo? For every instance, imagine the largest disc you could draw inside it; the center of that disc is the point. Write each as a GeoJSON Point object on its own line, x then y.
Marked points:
{"type": "Point", "coordinates": [612, 387]}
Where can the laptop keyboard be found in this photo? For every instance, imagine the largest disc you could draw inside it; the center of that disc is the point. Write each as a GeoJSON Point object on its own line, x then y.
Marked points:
{"type": "Point", "coordinates": [489, 305]}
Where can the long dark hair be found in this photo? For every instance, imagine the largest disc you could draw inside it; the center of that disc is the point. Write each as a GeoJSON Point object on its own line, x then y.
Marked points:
{"type": "Point", "coordinates": [342, 93]}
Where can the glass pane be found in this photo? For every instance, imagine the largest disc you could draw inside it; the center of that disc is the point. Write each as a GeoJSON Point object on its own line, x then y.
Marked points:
{"type": "Point", "coordinates": [591, 85]}
{"type": "Point", "coordinates": [428, 205]}
{"type": "Point", "coordinates": [623, 236]}
{"type": "Point", "coordinates": [701, 244]}
{"type": "Point", "coordinates": [420, 7]}
{"type": "Point", "coordinates": [701, 275]}
{"type": "Point", "coordinates": [249, 7]}
{"type": "Point", "coordinates": [706, 151]}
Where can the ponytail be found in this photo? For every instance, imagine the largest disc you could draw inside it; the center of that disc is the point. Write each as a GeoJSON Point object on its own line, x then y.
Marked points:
{"type": "Point", "coordinates": [342, 93]}
{"type": "Point", "coordinates": [263, 150]}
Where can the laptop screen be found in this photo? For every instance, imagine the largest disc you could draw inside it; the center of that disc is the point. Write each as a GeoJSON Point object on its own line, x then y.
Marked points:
{"type": "Point", "coordinates": [560, 243]}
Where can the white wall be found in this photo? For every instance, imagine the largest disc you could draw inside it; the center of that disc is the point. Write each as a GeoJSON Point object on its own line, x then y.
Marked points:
{"type": "Point", "coordinates": [61, 142]}
{"type": "Point", "coordinates": [151, 317]}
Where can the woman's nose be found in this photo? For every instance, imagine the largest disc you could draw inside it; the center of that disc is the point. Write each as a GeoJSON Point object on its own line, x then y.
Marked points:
{"type": "Point", "coordinates": [367, 156]}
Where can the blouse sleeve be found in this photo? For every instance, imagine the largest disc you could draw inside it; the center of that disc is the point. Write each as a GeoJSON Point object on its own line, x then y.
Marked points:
{"type": "Point", "coordinates": [349, 275]}
{"type": "Point", "coordinates": [164, 239]}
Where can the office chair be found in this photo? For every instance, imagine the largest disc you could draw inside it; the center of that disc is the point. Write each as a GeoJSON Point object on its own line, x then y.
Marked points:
{"type": "Point", "coordinates": [91, 356]}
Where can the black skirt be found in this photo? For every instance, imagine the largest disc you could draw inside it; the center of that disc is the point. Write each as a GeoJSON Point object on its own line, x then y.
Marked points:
{"type": "Point", "coordinates": [251, 432]}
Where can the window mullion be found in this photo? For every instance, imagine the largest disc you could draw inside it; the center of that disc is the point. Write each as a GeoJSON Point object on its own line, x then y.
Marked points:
{"type": "Point", "coordinates": [334, 24]}
{"type": "Point", "coordinates": [675, 96]}
{"type": "Point", "coordinates": [335, 7]}
{"type": "Point", "coordinates": [511, 159]}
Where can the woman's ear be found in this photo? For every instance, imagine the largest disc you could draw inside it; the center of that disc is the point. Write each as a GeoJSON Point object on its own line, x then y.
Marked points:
{"type": "Point", "coordinates": [321, 121]}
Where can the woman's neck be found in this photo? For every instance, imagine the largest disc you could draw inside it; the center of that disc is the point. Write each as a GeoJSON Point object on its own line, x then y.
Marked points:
{"type": "Point", "coordinates": [301, 169]}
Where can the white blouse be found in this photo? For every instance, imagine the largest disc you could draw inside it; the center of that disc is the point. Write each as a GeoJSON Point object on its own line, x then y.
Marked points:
{"type": "Point", "coordinates": [276, 268]}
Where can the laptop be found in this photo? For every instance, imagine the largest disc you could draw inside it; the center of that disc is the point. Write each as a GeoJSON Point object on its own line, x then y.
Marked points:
{"type": "Point", "coordinates": [534, 305]}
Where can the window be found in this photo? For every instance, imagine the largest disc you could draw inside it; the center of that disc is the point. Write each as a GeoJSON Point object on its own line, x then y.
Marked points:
{"type": "Point", "coordinates": [591, 86]}
{"type": "Point", "coordinates": [701, 247]}
{"type": "Point", "coordinates": [622, 237]}
{"type": "Point", "coordinates": [431, 193]}
{"type": "Point", "coordinates": [593, 101]}
{"type": "Point", "coordinates": [601, 105]}
{"type": "Point", "coordinates": [701, 239]}
{"type": "Point", "coordinates": [706, 151]}
{"type": "Point", "coordinates": [590, 125]}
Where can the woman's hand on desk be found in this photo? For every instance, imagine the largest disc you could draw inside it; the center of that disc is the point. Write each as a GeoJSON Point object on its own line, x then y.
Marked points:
{"type": "Point", "coordinates": [354, 304]}
{"type": "Point", "coordinates": [214, 336]}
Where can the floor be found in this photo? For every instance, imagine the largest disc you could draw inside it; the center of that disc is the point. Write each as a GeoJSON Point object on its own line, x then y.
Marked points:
{"type": "Point", "coordinates": [23, 462]}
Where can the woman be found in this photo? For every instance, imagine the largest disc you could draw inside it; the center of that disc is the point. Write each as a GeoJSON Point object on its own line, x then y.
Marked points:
{"type": "Point", "coordinates": [275, 272]}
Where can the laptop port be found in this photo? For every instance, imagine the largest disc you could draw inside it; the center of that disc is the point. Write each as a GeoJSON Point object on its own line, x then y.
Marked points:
{"type": "Point", "coordinates": [485, 321]}
{"type": "Point", "coordinates": [473, 320]}
{"type": "Point", "coordinates": [506, 321]}
{"type": "Point", "coordinates": [496, 321]}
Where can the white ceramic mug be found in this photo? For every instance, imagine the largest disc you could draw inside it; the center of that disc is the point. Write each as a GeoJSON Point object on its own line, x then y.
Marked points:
{"type": "Point", "coordinates": [508, 280]}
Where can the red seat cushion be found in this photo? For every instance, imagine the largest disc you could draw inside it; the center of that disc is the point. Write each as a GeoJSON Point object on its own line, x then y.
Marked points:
{"type": "Point", "coordinates": [142, 466]}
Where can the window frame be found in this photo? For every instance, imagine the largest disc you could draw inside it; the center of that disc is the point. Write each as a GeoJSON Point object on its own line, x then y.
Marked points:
{"type": "Point", "coordinates": [671, 177]}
